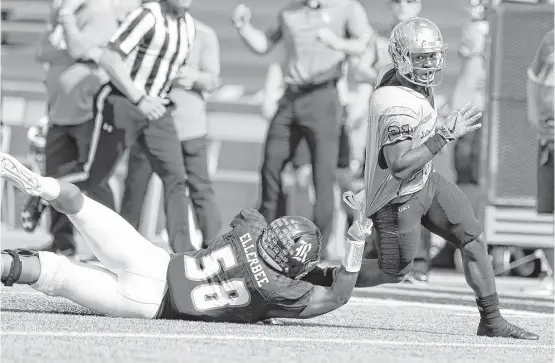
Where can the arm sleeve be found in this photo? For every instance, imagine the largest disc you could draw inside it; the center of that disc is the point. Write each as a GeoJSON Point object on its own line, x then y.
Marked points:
{"type": "Point", "coordinates": [133, 31]}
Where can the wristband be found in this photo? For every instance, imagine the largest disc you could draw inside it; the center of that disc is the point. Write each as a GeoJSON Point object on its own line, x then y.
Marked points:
{"type": "Point", "coordinates": [352, 260]}
{"type": "Point", "coordinates": [439, 140]}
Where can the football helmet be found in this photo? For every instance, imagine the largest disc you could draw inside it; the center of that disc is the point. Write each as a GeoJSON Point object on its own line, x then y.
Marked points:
{"type": "Point", "coordinates": [36, 136]}
{"type": "Point", "coordinates": [291, 245]}
{"type": "Point", "coordinates": [418, 51]}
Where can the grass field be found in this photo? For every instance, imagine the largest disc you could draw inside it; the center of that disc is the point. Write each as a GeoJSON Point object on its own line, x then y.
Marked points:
{"type": "Point", "coordinates": [37, 328]}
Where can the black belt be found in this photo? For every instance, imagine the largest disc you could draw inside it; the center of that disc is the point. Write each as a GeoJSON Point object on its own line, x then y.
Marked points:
{"type": "Point", "coordinates": [304, 88]}
{"type": "Point", "coordinates": [116, 92]}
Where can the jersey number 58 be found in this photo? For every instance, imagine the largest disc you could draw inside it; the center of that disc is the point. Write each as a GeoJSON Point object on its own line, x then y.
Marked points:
{"type": "Point", "coordinates": [213, 295]}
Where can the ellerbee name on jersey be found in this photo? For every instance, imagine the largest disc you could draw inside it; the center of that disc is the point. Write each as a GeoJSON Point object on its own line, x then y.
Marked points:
{"type": "Point", "coordinates": [252, 259]}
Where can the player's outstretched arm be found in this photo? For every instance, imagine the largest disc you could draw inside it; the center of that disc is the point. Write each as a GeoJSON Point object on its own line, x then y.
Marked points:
{"type": "Point", "coordinates": [326, 299]}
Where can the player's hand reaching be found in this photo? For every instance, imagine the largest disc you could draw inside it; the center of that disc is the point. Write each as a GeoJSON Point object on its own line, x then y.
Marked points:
{"type": "Point", "coordinates": [362, 227]}
{"type": "Point", "coordinates": [462, 121]}
{"type": "Point", "coordinates": [152, 107]}
{"type": "Point", "coordinates": [241, 16]}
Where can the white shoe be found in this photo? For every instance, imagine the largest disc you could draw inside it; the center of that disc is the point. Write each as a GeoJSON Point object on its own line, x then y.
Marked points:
{"type": "Point", "coordinates": [23, 179]}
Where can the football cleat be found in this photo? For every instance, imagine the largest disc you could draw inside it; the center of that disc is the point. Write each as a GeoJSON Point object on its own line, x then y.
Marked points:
{"type": "Point", "coordinates": [505, 330]}
{"type": "Point", "coordinates": [33, 207]}
{"type": "Point", "coordinates": [23, 179]}
{"type": "Point", "coordinates": [417, 278]}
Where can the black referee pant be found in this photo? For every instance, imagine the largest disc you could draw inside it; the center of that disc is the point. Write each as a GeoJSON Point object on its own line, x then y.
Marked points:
{"type": "Point", "coordinates": [201, 193]}
{"type": "Point", "coordinates": [66, 152]}
{"type": "Point", "coordinates": [119, 124]}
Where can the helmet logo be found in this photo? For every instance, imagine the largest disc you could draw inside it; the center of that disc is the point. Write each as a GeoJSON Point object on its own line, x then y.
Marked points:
{"type": "Point", "coordinates": [302, 251]}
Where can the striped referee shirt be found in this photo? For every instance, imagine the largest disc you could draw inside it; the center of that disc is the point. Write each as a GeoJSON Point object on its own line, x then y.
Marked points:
{"type": "Point", "coordinates": [154, 45]}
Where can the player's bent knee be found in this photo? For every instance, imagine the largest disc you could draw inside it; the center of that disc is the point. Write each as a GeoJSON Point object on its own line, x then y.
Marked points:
{"type": "Point", "coordinates": [474, 246]}
{"type": "Point", "coordinates": [70, 199]}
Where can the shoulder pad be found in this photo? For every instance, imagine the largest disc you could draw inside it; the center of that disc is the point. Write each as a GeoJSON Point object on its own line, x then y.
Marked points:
{"type": "Point", "coordinates": [392, 96]}
{"type": "Point", "coordinates": [382, 72]}
{"type": "Point", "coordinates": [248, 216]}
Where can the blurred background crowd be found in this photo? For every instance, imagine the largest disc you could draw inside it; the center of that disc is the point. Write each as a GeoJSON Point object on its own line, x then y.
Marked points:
{"type": "Point", "coordinates": [258, 130]}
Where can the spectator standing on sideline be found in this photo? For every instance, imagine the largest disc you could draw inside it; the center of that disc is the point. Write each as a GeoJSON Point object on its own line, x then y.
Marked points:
{"type": "Point", "coordinates": [354, 109]}
{"type": "Point", "coordinates": [194, 81]}
{"type": "Point", "coordinates": [274, 89]}
{"type": "Point", "coordinates": [142, 60]}
{"type": "Point", "coordinates": [75, 27]}
{"type": "Point", "coordinates": [540, 114]}
{"type": "Point", "coordinates": [471, 87]}
{"type": "Point", "coordinates": [310, 109]}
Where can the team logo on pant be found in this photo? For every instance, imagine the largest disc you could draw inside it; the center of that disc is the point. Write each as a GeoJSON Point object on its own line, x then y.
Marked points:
{"type": "Point", "coordinates": [302, 251]}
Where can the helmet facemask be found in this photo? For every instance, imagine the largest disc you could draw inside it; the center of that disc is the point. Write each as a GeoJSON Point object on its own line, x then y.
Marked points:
{"type": "Point", "coordinates": [427, 73]}
{"type": "Point", "coordinates": [418, 51]}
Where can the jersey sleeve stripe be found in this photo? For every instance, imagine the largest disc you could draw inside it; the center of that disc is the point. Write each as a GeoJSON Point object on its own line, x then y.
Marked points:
{"type": "Point", "coordinates": [132, 31]}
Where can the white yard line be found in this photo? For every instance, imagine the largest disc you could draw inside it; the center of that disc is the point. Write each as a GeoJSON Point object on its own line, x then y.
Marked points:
{"type": "Point", "coordinates": [259, 338]}
{"type": "Point", "coordinates": [370, 302]}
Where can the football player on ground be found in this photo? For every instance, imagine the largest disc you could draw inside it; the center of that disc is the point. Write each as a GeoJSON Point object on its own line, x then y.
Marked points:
{"type": "Point", "coordinates": [254, 272]}
{"type": "Point", "coordinates": [404, 135]}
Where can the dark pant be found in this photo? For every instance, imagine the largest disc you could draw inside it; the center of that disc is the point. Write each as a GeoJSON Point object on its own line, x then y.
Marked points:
{"type": "Point", "coordinates": [545, 198]}
{"type": "Point", "coordinates": [440, 206]}
{"type": "Point", "coordinates": [201, 193]}
{"type": "Point", "coordinates": [122, 125]}
{"type": "Point", "coordinates": [467, 157]}
{"type": "Point", "coordinates": [302, 158]}
{"type": "Point", "coordinates": [66, 153]}
{"type": "Point", "coordinates": [302, 155]}
{"type": "Point", "coordinates": [313, 115]}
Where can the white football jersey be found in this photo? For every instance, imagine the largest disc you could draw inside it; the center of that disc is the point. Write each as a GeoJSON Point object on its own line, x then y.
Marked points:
{"type": "Point", "coordinates": [397, 113]}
